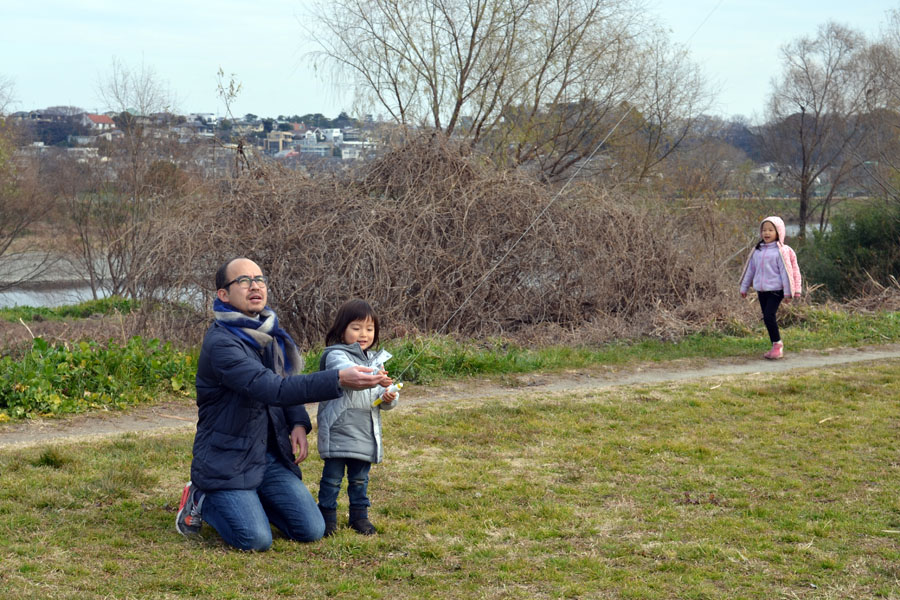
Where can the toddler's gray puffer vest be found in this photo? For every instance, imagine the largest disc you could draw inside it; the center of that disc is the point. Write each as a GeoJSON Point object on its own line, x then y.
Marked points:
{"type": "Point", "coordinates": [349, 426]}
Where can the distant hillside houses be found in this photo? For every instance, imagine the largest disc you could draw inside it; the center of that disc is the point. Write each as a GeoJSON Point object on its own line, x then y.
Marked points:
{"type": "Point", "coordinates": [772, 173]}
{"type": "Point", "coordinates": [288, 139]}
{"type": "Point", "coordinates": [204, 119]}
{"type": "Point", "coordinates": [319, 142]}
{"type": "Point", "coordinates": [97, 122]}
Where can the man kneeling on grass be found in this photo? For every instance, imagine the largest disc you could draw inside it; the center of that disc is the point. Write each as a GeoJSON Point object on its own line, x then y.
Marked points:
{"type": "Point", "coordinates": [252, 425]}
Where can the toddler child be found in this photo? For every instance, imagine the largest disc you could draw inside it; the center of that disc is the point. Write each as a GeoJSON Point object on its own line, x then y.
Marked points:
{"type": "Point", "coordinates": [350, 426]}
{"type": "Point", "coordinates": [772, 270]}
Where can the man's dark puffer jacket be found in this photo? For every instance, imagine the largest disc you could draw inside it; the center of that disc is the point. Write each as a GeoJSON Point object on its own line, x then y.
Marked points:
{"type": "Point", "coordinates": [236, 395]}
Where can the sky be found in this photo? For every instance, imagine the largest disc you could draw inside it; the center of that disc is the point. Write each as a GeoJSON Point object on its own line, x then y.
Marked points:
{"type": "Point", "coordinates": [59, 52]}
{"type": "Point", "coordinates": [737, 43]}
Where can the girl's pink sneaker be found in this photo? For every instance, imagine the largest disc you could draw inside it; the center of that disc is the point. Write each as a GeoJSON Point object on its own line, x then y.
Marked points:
{"type": "Point", "coordinates": [776, 352]}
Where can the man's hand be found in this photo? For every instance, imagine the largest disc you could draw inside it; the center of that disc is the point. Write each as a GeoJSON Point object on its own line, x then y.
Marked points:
{"type": "Point", "coordinates": [299, 444]}
{"type": "Point", "coordinates": [360, 378]}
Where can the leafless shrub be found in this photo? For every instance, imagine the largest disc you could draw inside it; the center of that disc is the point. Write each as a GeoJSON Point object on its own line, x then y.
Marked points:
{"type": "Point", "coordinates": [25, 203]}
{"type": "Point", "coordinates": [875, 296]}
{"type": "Point", "coordinates": [440, 241]}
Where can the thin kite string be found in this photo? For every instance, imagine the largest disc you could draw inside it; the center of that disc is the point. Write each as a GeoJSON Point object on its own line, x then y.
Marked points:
{"type": "Point", "coordinates": [534, 222]}
{"type": "Point", "coordinates": [516, 243]}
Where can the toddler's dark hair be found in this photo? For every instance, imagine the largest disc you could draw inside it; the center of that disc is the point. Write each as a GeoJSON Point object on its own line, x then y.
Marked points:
{"type": "Point", "coordinates": [352, 310]}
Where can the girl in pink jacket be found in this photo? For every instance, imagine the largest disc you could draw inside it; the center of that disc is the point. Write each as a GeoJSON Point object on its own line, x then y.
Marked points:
{"type": "Point", "coordinates": [772, 270]}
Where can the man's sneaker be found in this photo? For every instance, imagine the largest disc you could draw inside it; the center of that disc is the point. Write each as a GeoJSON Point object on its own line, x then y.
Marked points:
{"type": "Point", "coordinates": [188, 520]}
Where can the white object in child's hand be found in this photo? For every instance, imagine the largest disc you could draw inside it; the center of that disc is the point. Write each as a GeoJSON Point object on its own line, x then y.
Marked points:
{"type": "Point", "coordinates": [394, 389]}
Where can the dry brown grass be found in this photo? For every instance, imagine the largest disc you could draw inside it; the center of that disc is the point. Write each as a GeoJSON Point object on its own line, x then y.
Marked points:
{"type": "Point", "coordinates": [876, 297]}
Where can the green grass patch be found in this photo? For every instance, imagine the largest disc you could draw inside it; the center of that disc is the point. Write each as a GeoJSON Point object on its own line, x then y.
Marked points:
{"type": "Point", "coordinates": [435, 358]}
{"type": "Point", "coordinates": [735, 487]}
{"type": "Point", "coordinates": [82, 310]}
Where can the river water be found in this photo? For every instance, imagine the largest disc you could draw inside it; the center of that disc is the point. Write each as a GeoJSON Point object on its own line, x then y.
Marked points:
{"type": "Point", "coordinates": [792, 229]}
{"type": "Point", "coordinates": [50, 281]}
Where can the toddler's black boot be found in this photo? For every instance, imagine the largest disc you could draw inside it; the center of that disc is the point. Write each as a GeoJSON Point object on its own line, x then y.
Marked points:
{"type": "Point", "coordinates": [359, 520]}
{"type": "Point", "coordinates": [330, 516]}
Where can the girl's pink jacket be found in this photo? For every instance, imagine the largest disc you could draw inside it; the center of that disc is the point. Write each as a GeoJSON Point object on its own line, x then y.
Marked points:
{"type": "Point", "coordinates": [788, 258]}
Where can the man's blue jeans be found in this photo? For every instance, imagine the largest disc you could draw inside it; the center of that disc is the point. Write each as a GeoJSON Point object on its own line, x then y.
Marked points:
{"type": "Point", "coordinates": [242, 517]}
{"type": "Point", "coordinates": [357, 482]}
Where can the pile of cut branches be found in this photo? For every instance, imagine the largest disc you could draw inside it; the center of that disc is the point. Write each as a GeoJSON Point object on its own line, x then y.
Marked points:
{"type": "Point", "coordinates": [439, 240]}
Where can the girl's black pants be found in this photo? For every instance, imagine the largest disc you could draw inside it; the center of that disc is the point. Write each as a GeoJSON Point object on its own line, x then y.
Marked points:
{"type": "Point", "coordinates": [768, 302]}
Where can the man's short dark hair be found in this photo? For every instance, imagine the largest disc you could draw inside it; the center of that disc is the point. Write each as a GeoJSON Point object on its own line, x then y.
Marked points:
{"type": "Point", "coordinates": [222, 274]}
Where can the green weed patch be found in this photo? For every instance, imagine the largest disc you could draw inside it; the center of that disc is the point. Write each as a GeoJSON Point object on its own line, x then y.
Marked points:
{"type": "Point", "coordinates": [59, 379]}
{"type": "Point", "coordinates": [54, 380]}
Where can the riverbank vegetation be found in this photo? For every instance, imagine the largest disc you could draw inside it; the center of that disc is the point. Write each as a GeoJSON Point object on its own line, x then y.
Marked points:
{"type": "Point", "coordinates": [69, 377]}
{"type": "Point", "coordinates": [438, 237]}
{"type": "Point", "coordinates": [442, 242]}
{"type": "Point", "coordinates": [83, 310]}
{"type": "Point", "coordinates": [472, 269]}
{"type": "Point", "coordinates": [860, 255]}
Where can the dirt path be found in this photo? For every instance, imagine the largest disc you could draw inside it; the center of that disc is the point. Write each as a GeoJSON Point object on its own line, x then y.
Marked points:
{"type": "Point", "coordinates": [182, 415]}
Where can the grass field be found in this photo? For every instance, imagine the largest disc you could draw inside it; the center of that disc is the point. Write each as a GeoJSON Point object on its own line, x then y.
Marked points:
{"type": "Point", "coordinates": [720, 488]}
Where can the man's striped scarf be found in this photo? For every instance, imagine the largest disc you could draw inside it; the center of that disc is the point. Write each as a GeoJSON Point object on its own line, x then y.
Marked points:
{"type": "Point", "coordinates": [282, 357]}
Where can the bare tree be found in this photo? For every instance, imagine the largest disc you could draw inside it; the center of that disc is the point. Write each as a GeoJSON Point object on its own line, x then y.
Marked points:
{"type": "Point", "coordinates": [883, 104]}
{"type": "Point", "coordinates": [6, 93]}
{"type": "Point", "coordinates": [884, 59]}
{"type": "Point", "coordinates": [24, 202]}
{"type": "Point", "coordinates": [535, 82]}
{"type": "Point", "coordinates": [704, 169]}
{"type": "Point", "coordinates": [817, 116]}
{"type": "Point", "coordinates": [113, 219]}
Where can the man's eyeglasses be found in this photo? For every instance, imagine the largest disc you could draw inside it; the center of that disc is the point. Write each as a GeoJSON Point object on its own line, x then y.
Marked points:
{"type": "Point", "coordinates": [245, 281]}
